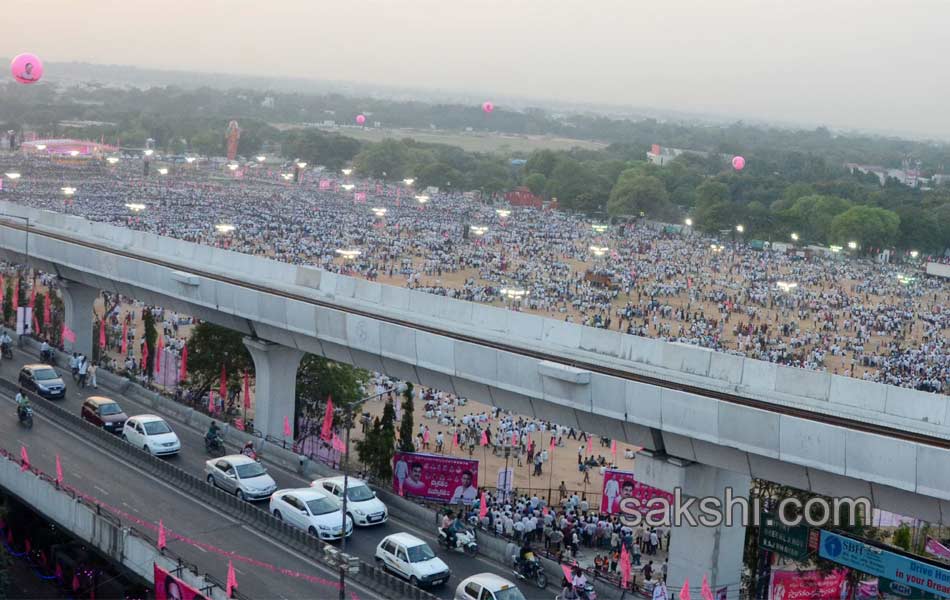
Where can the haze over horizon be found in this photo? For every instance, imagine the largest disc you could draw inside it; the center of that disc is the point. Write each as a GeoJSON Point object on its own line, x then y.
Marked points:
{"type": "Point", "coordinates": [841, 63]}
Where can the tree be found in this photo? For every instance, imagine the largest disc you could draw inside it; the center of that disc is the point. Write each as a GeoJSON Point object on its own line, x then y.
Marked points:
{"type": "Point", "coordinates": [406, 432]}
{"type": "Point", "coordinates": [714, 207]}
{"type": "Point", "coordinates": [439, 175]}
{"type": "Point", "coordinates": [811, 216]}
{"type": "Point", "coordinates": [902, 537]}
{"type": "Point", "coordinates": [867, 225]}
{"type": "Point", "coordinates": [536, 182]}
{"type": "Point", "coordinates": [919, 230]}
{"type": "Point", "coordinates": [376, 449]}
{"type": "Point", "coordinates": [388, 159]}
{"type": "Point", "coordinates": [577, 186]}
{"type": "Point", "coordinates": [319, 378]}
{"type": "Point", "coordinates": [490, 177]}
{"type": "Point", "coordinates": [631, 195]}
{"type": "Point", "coordinates": [209, 347]}
{"type": "Point", "coordinates": [542, 162]}
{"type": "Point", "coordinates": [8, 302]}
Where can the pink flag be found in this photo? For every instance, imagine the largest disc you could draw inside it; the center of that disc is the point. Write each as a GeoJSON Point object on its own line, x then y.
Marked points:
{"type": "Point", "coordinates": [232, 580]}
{"type": "Point", "coordinates": [684, 591]}
{"type": "Point", "coordinates": [102, 333]}
{"type": "Point", "coordinates": [223, 386]}
{"type": "Point", "coordinates": [183, 374]}
{"type": "Point", "coordinates": [144, 355]}
{"type": "Point", "coordinates": [247, 391]}
{"type": "Point", "coordinates": [613, 449]}
{"type": "Point", "coordinates": [24, 459]}
{"type": "Point", "coordinates": [425, 436]}
{"type": "Point", "coordinates": [75, 582]}
{"type": "Point", "coordinates": [553, 442]}
{"type": "Point", "coordinates": [590, 445]}
{"type": "Point", "coordinates": [158, 354]}
{"type": "Point", "coordinates": [36, 324]}
{"type": "Point", "coordinates": [514, 438]}
{"type": "Point", "coordinates": [706, 590]}
{"type": "Point", "coordinates": [59, 471]}
{"type": "Point", "coordinates": [544, 511]}
{"type": "Point", "coordinates": [161, 535]}
{"type": "Point", "coordinates": [288, 432]}
{"type": "Point", "coordinates": [239, 424]}
{"type": "Point", "coordinates": [455, 440]}
{"type": "Point", "coordinates": [16, 294]}
{"type": "Point", "coordinates": [482, 507]}
{"type": "Point", "coordinates": [484, 440]}
{"type": "Point", "coordinates": [624, 566]}
{"type": "Point", "coordinates": [68, 334]}
{"type": "Point", "coordinates": [327, 429]}
{"type": "Point", "coordinates": [211, 405]}
{"type": "Point", "coordinates": [338, 444]}
{"type": "Point", "coordinates": [567, 572]}
{"type": "Point", "coordinates": [125, 338]}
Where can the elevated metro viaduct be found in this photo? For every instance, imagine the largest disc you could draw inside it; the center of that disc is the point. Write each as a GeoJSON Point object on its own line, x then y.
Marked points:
{"type": "Point", "coordinates": [706, 420]}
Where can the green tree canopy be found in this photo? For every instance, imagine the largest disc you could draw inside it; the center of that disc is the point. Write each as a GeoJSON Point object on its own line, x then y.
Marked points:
{"type": "Point", "coordinates": [636, 193]}
{"type": "Point", "coordinates": [319, 378]}
{"type": "Point", "coordinates": [209, 347]}
{"type": "Point", "coordinates": [867, 225]}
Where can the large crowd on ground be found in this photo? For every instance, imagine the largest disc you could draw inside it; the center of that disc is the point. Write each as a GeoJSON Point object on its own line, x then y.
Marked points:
{"type": "Point", "coordinates": [878, 321]}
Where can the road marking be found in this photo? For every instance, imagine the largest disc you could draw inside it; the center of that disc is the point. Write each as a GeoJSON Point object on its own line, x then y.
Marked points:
{"type": "Point", "coordinates": [200, 548]}
{"type": "Point", "coordinates": [22, 443]}
{"type": "Point", "coordinates": [101, 490]}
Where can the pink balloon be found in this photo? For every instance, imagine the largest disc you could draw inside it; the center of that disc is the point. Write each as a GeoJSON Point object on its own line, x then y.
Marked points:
{"type": "Point", "coordinates": [738, 163]}
{"type": "Point", "coordinates": [360, 119]}
{"type": "Point", "coordinates": [488, 107]}
{"type": "Point", "coordinates": [26, 68]}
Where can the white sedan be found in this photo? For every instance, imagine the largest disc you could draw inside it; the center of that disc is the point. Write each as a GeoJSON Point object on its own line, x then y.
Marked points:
{"type": "Point", "coordinates": [361, 502]}
{"type": "Point", "coordinates": [240, 475]}
{"type": "Point", "coordinates": [152, 434]}
{"type": "Point", "coordinates": [312, 510]}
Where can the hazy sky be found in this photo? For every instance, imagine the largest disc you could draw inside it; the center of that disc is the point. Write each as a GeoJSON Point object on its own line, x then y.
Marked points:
{"type": "Point", "coordinates": [872, 64]}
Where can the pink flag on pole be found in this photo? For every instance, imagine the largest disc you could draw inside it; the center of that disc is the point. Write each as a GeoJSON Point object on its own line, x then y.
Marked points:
{"type": "Point", "coordinates": [567, 572]}
{"type": "Point", "coordinates": [482, 507]}
{"type": "Point", "coordinates": [125, 338]}
{"type": "Point", "coordinates": [102, 333]}
{"type": "Point", "coordinates": [232, 580]}
{"type": "Point", "coordinates": [144, 355]}
{"type": "Point", "coordinates": [211, 405]}
{"type": "Point", "coordinates": [68, 334]}
{"type": "Point", "coordinates": [613, 449]}
{"type": "Point", "coordinates": [706, 590]}
{"type": "Point", "coordinates": [544, 511]}
{"type": "Point", "coordinates": [24, 459]}
{"type": "Point", "coordinates": [161, 535]}
{"type": "Point", "coordinates": [484, 440]}
{"type": "Point", "coordinates": [455, 440]}
{"type": "Point", "coordinates": [16, 294]}
{"type": "Point", "coordinates": [425, 436]}
{"type": "Point", "coordinates": [338, 444]}
{"type": "Point", "coordinates": [684, 591]}
{"type": "Point", "coordinates": [327, 429]}
{"type": "Point", "coordinates": [553, 442]}
{"type": "Point", "coordinates": [247, 391]}
{"type": "Point", "coordinates": [590, 445]}
{"type": "Point", "coordinates": [624, 566]}
{"type": "Point", "coordinates": [239, 424]}
{"type": "Point", "coordinates": [288, 432]}
{"type": "Point", "coordinates": [59, 471]}
{"type": "Point", "coordinates": [183, 374]}
{"type": "Point", "coordinates": [36, 324]}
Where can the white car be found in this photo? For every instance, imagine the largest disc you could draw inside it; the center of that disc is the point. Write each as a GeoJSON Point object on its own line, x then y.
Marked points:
{"type": "Point", "coordinates": [487, 586]}
{"type": "Point", "coordinates": [152, 434]}
{"type": "Point", "coordinates": [412, 559]}
{"type": "Point", "coordinates": [240, 475]}
{"type": "Point", "coordinates": [361, 502]}
{"type": "Point", "coordinates": [312, 510]}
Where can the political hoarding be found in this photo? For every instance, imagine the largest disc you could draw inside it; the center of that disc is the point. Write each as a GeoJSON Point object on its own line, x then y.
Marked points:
{"type": "Point", "coordinates": [435, 477]}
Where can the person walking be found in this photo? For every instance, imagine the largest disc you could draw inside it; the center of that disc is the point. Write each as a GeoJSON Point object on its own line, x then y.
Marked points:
{"type": "Point", "coordinates": [83, 370]}
{"type": "Point", "coordinates": [92, 375]}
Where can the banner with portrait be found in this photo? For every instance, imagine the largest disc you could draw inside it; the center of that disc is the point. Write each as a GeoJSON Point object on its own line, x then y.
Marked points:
{"type": "Point", "coordinates": [620, 485]}
{"type": "Point", "coordinates": [435, 477]}
{"type": "Point", "coordinates": [169, 587]}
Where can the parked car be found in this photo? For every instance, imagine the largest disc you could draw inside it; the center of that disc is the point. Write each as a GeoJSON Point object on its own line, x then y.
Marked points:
{"type": "Point", "coordinates": [240, 475]}
{"type": "Point", "coordinates": [104, 412]}
{"type": "Point", "coordinates": [487, 586]}
{"type": "Point", "coordinates": [361, 502]}
{"type": "Point", "coordinates": [411, 558]}
{"type": "Point", "coordinates": [152, 434]}
{"type": "Point", "coordinates": [312, 510]}
{"type": "Point", "coordinates": [43, 380]}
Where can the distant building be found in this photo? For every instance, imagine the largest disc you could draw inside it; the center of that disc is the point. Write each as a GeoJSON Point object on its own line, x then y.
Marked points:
{"type": "Point", "coordinates": [268, 102]}
{"type": "Point", "coordinates": [661, 156]}
{"type": "Point", "coordinates": [906, 175]}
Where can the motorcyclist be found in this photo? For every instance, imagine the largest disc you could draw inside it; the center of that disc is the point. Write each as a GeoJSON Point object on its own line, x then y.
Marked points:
{"type": "Point", "coordinates": [44, 349]}
{"type": "Point", "coordinates": [22, 403]}
{"type": "Point", "coordinates": [579, 583]}
{"type": "Point", "coordinates": [248, 449]}
{"type": "Point", "coordinates": [454, 528]}
{"type": "Point", "coordinates": [525, 555]}
{"type": "Point", "coordinates": [212, 438]}
{"type": "Point", "coordinates": [5, 341]}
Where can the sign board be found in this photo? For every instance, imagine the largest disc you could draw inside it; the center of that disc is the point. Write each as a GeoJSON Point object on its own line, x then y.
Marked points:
{"type": "Point", "coordinates": [775, 536]}
{"type": "Point", "coordinates": [884, 563]}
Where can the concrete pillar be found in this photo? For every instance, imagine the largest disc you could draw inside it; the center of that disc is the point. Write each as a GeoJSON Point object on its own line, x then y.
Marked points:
{"type": "Point", "coordinates": [275, 369]}
{"type": "Point", "coordinates": [715, 551]}
{"type": "Point", "coordinates": [78, 300]}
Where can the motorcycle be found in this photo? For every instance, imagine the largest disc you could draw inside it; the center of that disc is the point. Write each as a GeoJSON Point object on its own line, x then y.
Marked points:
{"type": "Point", "coordinates": [25, 416]}
{"type": "Point", "coordinates": [215, 447]}
{"type": "Point", "coordinates": [569, 593]}
{"type": "Point", "coordinates": [465, 541]}
{"type": "Point", "coordinates": [49, 357]}
{"type": "Point", "coordinates": [531, 570]}
{"type": "Point", "coordinates": [6, 351]}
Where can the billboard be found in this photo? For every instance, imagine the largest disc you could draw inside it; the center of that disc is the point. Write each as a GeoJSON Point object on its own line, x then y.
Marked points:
{"type": "Point", "coordinates": [808, 585]}
{"type": "Point", "coordinates": [620, 485]}
{"type": "Point", "coordinates": [435, 477]}
{"type": "Point", "coordinates": [169, 587]}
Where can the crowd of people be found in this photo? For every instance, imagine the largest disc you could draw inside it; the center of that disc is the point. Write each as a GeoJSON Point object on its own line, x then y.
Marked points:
{"type": "Point", "coordinates": [880, 322]}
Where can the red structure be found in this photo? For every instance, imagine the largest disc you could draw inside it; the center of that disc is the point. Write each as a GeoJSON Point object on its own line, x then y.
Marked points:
{"type": "Point", "coordinates": [234, 134]}
{"type": "Point", "coordinates": [522, 196]}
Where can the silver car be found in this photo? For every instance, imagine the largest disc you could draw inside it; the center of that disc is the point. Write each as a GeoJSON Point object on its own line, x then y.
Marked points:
{"type": "Point", "coordinates": [240, 475]}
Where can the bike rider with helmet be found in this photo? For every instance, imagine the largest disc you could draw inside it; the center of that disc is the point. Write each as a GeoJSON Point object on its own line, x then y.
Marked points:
{"type": "Point", "coordinates": [212, 437]}
{"type": "Point", "coordinates": [22, 403]}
